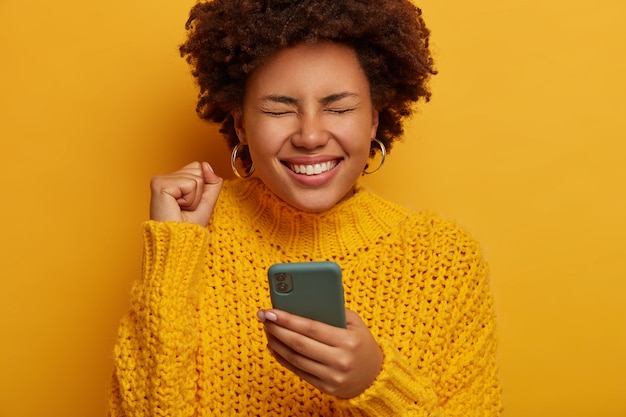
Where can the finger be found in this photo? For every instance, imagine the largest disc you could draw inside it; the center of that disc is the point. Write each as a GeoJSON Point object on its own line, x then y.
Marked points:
{"type": "Point", "coordinates": [305, 366]}
{"type": "Point", "coordinates": [291, 345]}
{"type": "Point", "coordinates": [311, 378]}
{"type": "Point", "coordinates": [194, 168]}
{"type": "Point", "coordinates": [344, 370]}
{"type": "Point", "coordinates": [209, 175]}
{"type": "Point", "coordinates": [192, 192]}
{"type": "Point", "coordinates": [321, 332]}
{"type": "Point", "coordinates": [178, 183]}
{"type": "Point", "coordinates": [208, 193]}
{"type": "Point", "coordinates": [353, 320]}
{"type": "Point", "coordinates": [167, 196]}
{"type": "Point", "coordinates": [175, 192]}
{"type": "Point", "coordinates": [294, 336]}
{"type": "Point", "coordinates": [212, 186]}
{"type": "Point", "coordinates": [189, 191]}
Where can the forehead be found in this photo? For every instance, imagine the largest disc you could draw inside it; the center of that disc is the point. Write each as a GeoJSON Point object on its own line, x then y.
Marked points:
{"type": "Point", "coordinates": [319, 68]}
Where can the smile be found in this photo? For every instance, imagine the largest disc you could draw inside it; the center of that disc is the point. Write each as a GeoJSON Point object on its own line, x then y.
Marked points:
{"type": "Point", "coordinates": [313, 169]}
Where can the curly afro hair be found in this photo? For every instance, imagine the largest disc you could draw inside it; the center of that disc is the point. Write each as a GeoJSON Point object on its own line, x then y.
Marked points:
{"type": "Point", "coordinates": [228, 39]}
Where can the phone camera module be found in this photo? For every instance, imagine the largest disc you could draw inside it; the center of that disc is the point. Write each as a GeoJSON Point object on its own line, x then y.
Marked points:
{"type": "Point", "coordinates": [282, 282]}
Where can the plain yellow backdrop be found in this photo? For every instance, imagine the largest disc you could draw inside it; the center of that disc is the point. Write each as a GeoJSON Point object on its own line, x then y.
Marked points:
{"type": "Point", "coordinates": [523, 144]}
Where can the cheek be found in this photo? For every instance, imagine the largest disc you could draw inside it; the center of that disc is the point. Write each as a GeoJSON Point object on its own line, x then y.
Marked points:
{"type": "Point", "coordinates": [357, 138]}
{"type": "Point", "coordinates": [266, 137]}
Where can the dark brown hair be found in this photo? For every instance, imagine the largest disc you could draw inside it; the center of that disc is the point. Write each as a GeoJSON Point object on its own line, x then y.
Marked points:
{"type": "Point", "coordinates": [228, 39]}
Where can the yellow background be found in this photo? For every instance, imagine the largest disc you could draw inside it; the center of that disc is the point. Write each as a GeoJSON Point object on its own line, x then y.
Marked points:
{"type": "Point", "coordinates": [523, 144]}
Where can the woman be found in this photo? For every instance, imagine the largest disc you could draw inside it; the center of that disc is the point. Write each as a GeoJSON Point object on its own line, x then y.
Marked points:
{"type": "Point", "coordinates": [306, 92]}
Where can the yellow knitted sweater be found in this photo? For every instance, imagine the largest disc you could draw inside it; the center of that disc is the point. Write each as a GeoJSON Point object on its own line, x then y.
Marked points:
{"type": "Point", "coordinates": [191, 344]}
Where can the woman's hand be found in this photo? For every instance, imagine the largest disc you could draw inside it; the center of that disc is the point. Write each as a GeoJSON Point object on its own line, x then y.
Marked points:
{"type": "Point", "coordinates": [187, 195]}
{"type": "Point", "coordinates": [339, 362]}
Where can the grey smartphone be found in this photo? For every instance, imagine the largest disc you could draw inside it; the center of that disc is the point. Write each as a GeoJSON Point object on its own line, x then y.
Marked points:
{"type": "Point", "coordinates": [309, 289]}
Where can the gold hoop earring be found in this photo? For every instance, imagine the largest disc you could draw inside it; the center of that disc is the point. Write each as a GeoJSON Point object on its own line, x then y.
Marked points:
{"type": "Point", "coordinates": [383, 153]}
{"type": "Point", "coordinates": [233, 163]}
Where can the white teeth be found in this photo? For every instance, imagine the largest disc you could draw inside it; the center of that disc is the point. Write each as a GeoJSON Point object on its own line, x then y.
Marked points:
{"type": "Point", "coordinates": [315, 169]}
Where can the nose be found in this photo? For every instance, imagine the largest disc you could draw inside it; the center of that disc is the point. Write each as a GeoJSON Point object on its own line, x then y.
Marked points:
{"type": "Point", "coordinates": [312, 132]}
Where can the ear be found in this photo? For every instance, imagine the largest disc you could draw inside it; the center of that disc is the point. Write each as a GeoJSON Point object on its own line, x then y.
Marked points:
{"type": "Point", "coordinates": [375, 113]}
{"type": "Point", "coordinates": [239, 126]}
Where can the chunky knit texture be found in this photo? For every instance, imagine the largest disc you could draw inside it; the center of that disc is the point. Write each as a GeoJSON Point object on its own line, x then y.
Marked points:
{"type": "Point", "coordinates": [192, 346]}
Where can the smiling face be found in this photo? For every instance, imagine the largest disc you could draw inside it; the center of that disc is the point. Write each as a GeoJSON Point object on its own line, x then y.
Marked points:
{"type": "Point", "coordinates": [308, 120]}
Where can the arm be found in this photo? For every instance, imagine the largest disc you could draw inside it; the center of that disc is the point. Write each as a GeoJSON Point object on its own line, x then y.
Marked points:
{"type": "Point", "coordinates": [155, 369]}
{"type": "Point", "coordinates": [340, 362]}
{"type": "Point", "coordinates": [462, 380]}
{"type": "Point", "coordinates": [448, 367]}
{"type": "Point", "coordinates": [346, 363]}
{"type": "Point", "coordinates": [440, 360]}
{"type": "Point", "coordinates": [469, 384]}
{"type": "Point", "coordinates": [155, 353]}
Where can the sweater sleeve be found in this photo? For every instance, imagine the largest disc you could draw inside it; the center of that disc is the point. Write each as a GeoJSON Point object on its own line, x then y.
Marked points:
{"type": "Point", "coordinates": [398, 391]}
{"type": "Point", "coordinates": [456, 374]}
{"type": "Point", "coordinates": [155, 370]}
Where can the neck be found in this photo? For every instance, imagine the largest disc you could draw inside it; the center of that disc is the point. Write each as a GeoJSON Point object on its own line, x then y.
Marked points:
{"type": "Point", "coordinates": [351, 225]}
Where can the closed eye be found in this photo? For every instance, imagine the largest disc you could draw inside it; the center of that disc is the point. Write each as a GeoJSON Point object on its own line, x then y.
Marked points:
{"type": "Point", "coordinates": [277, 113]}
{"type": "Point", "coordinates": [339, 111]}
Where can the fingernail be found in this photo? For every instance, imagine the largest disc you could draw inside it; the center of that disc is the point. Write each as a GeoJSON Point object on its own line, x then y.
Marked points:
{"type": "Point", "coordinates": [270, 316]}
{"type": "Point", "coordinates": [261, 316]}
{"type": "Point", "coordinates": [210, 167]}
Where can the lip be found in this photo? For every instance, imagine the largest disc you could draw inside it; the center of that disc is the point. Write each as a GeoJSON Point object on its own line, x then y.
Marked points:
{"type": "Point", "coordinates": [308, 166]}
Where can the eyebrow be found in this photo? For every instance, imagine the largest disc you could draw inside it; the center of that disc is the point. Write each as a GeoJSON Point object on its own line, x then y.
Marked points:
{"type": "Point", "coordinates": [277, 98]}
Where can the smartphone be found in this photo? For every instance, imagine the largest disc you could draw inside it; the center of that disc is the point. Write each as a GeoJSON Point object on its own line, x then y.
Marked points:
{"type": "Point", "coordinates": [309, 289]}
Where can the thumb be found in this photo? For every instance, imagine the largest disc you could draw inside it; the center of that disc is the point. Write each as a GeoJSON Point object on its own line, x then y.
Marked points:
{"type": "Point", "coordinates": [353, 320]}
{"type": "Point", "coordinates": [212, 187]}
{"type": "Point", "coordinates": [210, 191]}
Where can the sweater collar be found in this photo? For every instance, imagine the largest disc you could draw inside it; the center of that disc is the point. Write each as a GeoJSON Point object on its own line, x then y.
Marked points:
{"type": "Point", "coordinates": [351, 225]}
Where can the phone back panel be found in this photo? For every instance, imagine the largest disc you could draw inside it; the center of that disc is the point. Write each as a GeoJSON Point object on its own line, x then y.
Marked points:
{"type": "Point", "coordinates": [316, 290]}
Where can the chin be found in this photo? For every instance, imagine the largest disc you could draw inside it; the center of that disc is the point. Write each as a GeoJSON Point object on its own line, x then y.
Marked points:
{"type": "Point", "coordinates": [313, 199]}
{"type": "Point", "coordinates": [312, 207]}
{"type": "Point", "coordinates": [316, 202]}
